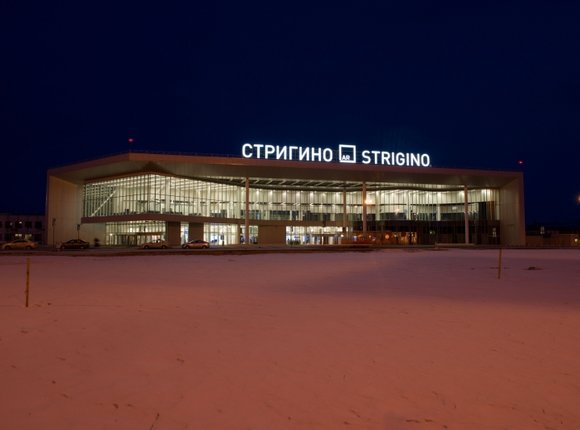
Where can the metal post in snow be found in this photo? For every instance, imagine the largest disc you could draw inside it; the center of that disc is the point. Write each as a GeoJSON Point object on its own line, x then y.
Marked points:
{"type": "Point", "coordinates": [499, 264]}
{"type": "Point", "coordinates": [27, 291]}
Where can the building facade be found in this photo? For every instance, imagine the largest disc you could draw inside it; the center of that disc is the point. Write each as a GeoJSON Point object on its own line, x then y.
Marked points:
{"type": "Point", "coordinates": [132, 198]}
{"type": "Point", "coordinates": [15, 226]}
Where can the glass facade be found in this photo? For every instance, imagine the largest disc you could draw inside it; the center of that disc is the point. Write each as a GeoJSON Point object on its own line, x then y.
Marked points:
{"type": "Point", "coordinates": [314, 211]}
{"type": "Point", "coordinates": [132, 233]}
{"type": "Point", "coordinates": [152, 193]}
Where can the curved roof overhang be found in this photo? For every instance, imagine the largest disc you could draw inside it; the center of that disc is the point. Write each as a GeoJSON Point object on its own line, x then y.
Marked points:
{"type": "Point", "coordinates": [276, 173]}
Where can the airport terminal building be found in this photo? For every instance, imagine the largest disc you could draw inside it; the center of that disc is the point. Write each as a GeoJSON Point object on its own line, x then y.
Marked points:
{"type": "Point", "coordinates": [283, 195]}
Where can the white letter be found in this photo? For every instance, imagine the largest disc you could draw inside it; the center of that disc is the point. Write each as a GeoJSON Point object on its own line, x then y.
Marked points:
{"type": "Point", "coordinates": [400, 159]}
{"type": "Point", "coordinates": [316, 153]}
{"type": "Point", "coordinates": [385, 157]}
{"type": "Point", "coordinates": [366, 159]}
{"type": "Point", "coordinates": [281, 152]}
{"type": "Point", "coordinates": [327, 155]}
{"type": "Point", "coordinates": [425, 160]}
{"type": "Point", "coordinates": [415, 160]}
{"type": "Point", "coordinates": [245, 153]}
{"type": "Point", "coordinates": [269, 150]}
{"type": "Point", "coordinates": [258, 146]}
{"type": "Point", "coordinates": [292, 149]}
{"type": "Point", "coordinates": [304, 153]}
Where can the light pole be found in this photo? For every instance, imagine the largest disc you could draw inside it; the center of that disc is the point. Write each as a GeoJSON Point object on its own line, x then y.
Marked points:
{"type": "Point", "coordinates": [364, 210]}
{"type": "Point", "coordinates": [53, 228]}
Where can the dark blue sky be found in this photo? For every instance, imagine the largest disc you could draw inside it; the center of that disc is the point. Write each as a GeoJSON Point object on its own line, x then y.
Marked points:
{"type": "Point", "coordinates": [475, 86]}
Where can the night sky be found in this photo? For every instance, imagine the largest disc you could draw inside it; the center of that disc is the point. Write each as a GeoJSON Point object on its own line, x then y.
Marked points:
{"type": "Point", "coordinates": [473, 85]}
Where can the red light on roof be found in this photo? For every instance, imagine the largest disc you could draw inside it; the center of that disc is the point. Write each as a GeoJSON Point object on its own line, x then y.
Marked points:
{"type": "Point", "coordinates": [521, 162]}
{"type": "Point", "coordinates": [130, 140]}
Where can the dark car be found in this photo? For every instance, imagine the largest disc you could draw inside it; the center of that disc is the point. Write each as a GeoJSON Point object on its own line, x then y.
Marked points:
{"type": "Point", "coordinates": [75, 244]}
{"type": "Point", "coordinates": [192, 244]}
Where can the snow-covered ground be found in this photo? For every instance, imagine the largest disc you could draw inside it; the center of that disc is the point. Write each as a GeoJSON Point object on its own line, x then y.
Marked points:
{"type": "Point", "coordinates": [388, 339]}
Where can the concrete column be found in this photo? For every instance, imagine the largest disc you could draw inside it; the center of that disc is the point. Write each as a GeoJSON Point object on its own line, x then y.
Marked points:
{"type": "Point", "coordinates": [167, 196]}
{"type": "Point", "coordinates": [466, 213]}
{"type": "Point", "coordinates": [344, 215]}
{"type": "Point", "coordinates": [173, 233]}
{"type": "Point", "coordinates": [364, 209]}
{"type": "Point", "coordinates": [247, 217]}
{"type": "Point", "coordinates": [195, 231]}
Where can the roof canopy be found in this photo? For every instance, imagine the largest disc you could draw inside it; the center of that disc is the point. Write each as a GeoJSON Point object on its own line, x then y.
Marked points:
{"type": "Point", "coordinates": [278, 173]}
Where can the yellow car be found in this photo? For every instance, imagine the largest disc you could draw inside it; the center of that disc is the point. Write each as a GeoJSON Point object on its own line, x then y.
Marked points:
{"type": "Point", "coordinates": [20, 244]}
{"type": "Point", "coordinates": [154, 244]}
{"type": "Point", "coordinates": [193, 244]}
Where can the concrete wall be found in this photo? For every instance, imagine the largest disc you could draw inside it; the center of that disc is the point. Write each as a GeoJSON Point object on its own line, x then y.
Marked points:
{"type": "Point", "coordinates": [272, 235]}
{"type": "Point", "coordinates": [90, 232]}
{"type": "Point", "coordinates": [512, 216]}
{"type": "Point", "coordinates": [63, 211]}
{"type": "Point", "coordinates": [195, 231]}
{"type": "Point", "coordinates": [173, 233]}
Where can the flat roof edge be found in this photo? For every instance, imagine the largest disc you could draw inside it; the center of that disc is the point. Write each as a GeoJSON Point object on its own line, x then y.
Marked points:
{"type": "Point", "coordinates": [288, 164]}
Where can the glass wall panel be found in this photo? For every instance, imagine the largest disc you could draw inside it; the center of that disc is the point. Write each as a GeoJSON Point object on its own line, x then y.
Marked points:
{"type": "Point", "coordinates": [296, 235]}
{"type": "Point", "coordinates": [133, 233]}
{"type": "Point", "coordinates": [222, 234]}
{"type": "Point", "coordinates": [295, 201]}
{"type": "Point", "coordinates": [153, 193]}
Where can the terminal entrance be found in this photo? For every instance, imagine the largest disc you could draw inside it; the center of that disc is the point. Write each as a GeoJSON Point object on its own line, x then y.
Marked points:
{"type": "Point", "coordinates": [313, 235]}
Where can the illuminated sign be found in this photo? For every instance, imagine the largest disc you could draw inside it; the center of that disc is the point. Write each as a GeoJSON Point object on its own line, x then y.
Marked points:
{"type": "Point", "coordinates": [344, 154]}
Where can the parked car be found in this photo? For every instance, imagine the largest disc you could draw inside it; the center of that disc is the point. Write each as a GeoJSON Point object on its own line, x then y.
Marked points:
{"type": "Point", "coordinates": [20, 244]}
{"type": "Point", "coordinates": [193, 244]}
{"type": "Point", "coordinates": [154, 244]}
{"type": "Point", "coordinates": [75, 244]}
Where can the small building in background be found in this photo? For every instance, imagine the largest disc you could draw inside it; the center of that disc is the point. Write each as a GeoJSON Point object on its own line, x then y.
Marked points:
{"type": "Point", "coordinates": [16, 226]}
{"type": "Point", "coordinates": [553, 236]}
